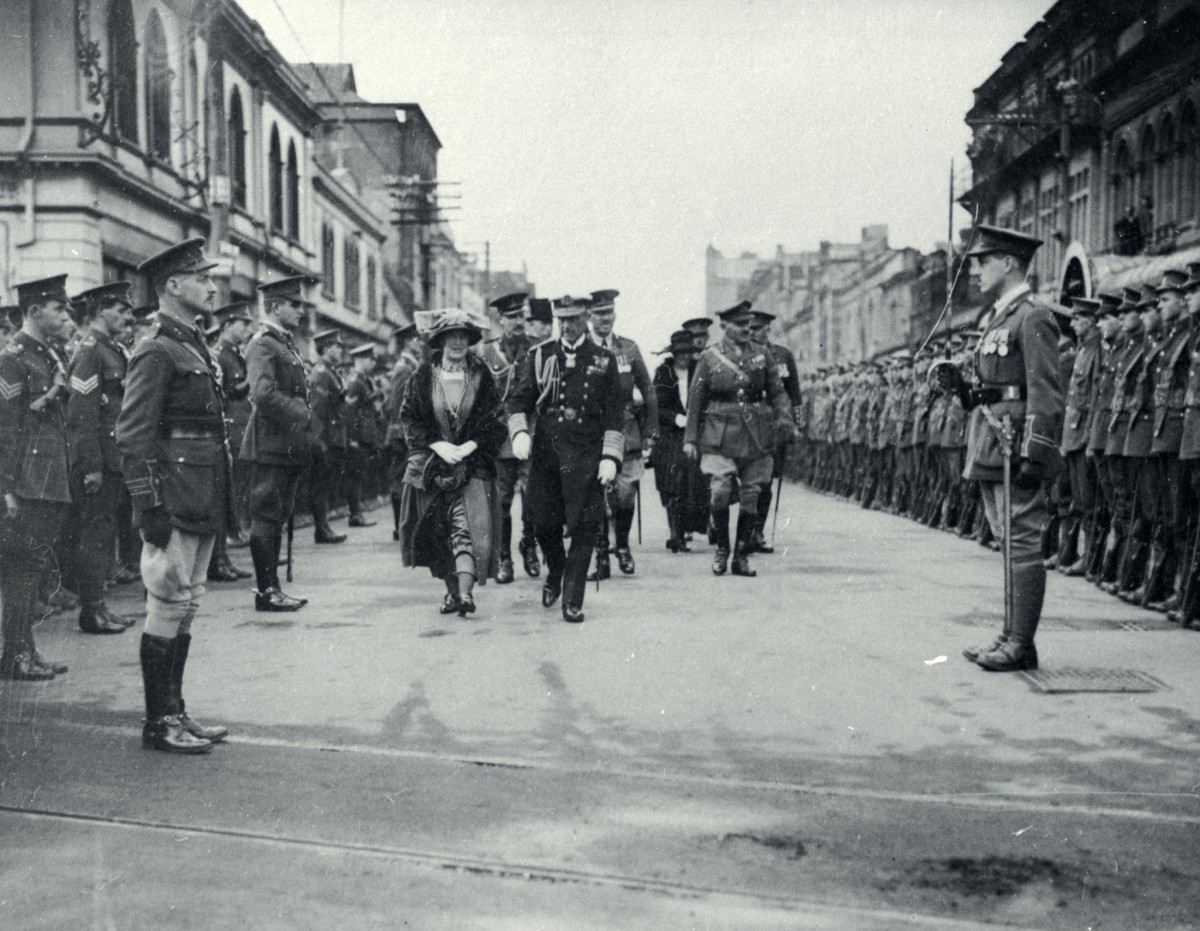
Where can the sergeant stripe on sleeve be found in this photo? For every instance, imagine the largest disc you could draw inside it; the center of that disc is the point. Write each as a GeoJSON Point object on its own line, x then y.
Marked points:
{"type": "Point", "coordinates": [9, 390]}
{"type": "Point", "coordinates": [84, 385]}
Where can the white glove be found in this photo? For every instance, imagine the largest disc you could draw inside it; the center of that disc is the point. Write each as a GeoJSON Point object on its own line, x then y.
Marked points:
{"type": "Point", "coordinates": [465, 449]}
{"type": "Point", "coordinates": [521, 445]}
{"type": "Point", "coordinates": [681, 421]}
{"type": "Point", "coordinates": [447, 452]}
{"type": "Point", "coordinates": [607, 471]}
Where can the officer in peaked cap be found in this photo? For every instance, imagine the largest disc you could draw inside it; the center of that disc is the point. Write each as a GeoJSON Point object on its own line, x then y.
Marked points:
{"type": "Point", "coordinates": [737, 408]}
{"type": "Point", "coordinates": [504, 357]}
{"type": "Point", "coordinates": [1017, 362]}
{"type": "Point", "coordinates": [235, 324]}
{"type": "Point", "coordinates": [573, 388]}
{"type": "Point", "coordinates": [277, 441]}
{"type": "Point", "coordinates": [640, 428]}
{"type": "Point", "coordinates": [698, 327]}
{"type": "Point", "coordinates": [34, 468]}
{"type": "Point", "coordinates": [789, 376]}
{"type": "Point", "coordinates": [330, 421]}
{"type": "Point", "coordinates": [1085, 370]}
{"type": "Point", "coordinates": [96, 387]}
{"type": "Point", "coordinates": [364, 436]}
{"type": "Point", "coordinates": [171, 434]}
{"type": "Point", "coordinates": [1189, 449]}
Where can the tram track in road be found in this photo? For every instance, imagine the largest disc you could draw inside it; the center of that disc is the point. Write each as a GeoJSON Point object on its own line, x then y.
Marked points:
{"type": "Point", "coordinates": [481, 866]}
{"type": "Point", "coordinates": [1049, 803]}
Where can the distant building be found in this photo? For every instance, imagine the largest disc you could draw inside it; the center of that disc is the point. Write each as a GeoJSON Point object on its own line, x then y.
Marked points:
{"type": "Point", "coordinates": [844, 302]}
{"type": "Point", "coordinates": [1087, 137]}
{"type": "Point", "coordinates": [128, 125]}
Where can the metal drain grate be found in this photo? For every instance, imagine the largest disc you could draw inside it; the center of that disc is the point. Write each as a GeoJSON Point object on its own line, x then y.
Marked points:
{"type": "Point", "coordinates": [1069, 679]}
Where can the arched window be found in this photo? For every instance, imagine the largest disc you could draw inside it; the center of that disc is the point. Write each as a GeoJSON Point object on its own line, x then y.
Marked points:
{"type": "Point", "coordinates": [275, 169]}
{"type": "Point", "coordinates": [1164, 196]}
{"type": "Point", "coordinates": [237, 149]}
{"type": "Point", "coordinates": [122, 69]}
{"type": "Point", "coordinates": [1189, 163]}
{"type": "Point", "coordinates": [293, 193]}
{"type": "Point", "coordinates": [158, 90]}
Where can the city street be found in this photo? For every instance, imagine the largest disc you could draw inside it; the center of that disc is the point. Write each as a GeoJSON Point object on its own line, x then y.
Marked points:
{"type": "Point", "coordinates": [806, 750]}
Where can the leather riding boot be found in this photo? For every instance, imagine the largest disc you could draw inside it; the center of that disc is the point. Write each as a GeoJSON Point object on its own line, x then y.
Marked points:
{"type": "Point", "coordinates": [504, 574]}
{"type": "Point", "coordinates": [1049, 539]}
{"type": "Point", "coordinates": [396, 499]}
{"type": "Point", "coordinates": [744, 545]}
{"type": "Point", "coordinates": [1111, 558]}
{"type": "Point", "coordinates": [162, 729]}
{"type": "Point", "coordinates": [1068, 541]}
{"type": "Point", "coordinates": [1130, 567]}
{"type": "Point", "coordinates": [265, 557]}
{"type": "Point", "coordinates": [527, 547]}
{"type": "Point", "coordinates": [1140, 585]}
{"type": "Point", "coordinates": [1018, 651]}
{"type": "Point", "coordinates": [622, 522]}
{"type": "Point", "coordinates": [719, 522]}
{"type": "Point", "coordinates": [215, 734]}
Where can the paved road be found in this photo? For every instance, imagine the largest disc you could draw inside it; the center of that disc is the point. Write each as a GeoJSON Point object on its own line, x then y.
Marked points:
{"type": "Point", "coordinates": [784, 752]}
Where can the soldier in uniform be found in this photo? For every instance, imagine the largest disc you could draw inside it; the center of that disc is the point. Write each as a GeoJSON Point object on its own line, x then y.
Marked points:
{"type": "Point", "coordinates": [34, 468]}
{"type": "Point", "coordinates": [504, 357]}
{"type": "Point", "coordinates": [175, 456]}
{"type": "Point", "coordinates": [1080, 470]}
{"type": "Point", "coordinates": [97, 384]}
{"type": "Point", "coordinates": [1189, 455]}
{"type": "Point", "coordinates": [1159, 590]}
{"type": "Point", "coordinates": [573, 387]}
{"type": "Point", "coordinates": [277, 442]}
{"type": "Point", "coordinates": [330, 433]}
{"type": "Point", "coordinates": [1020, 391]}
{"type": "Point", "coordinates": [640, 428]}
{"type": "Point", "coordinates": [232, 328]}
{"type": "Point", "coordinates": [237, 326]}
{"type": "Point", "coordinates": [362, 431]}
{"type": "Point", "coordinates": [408, 350]}
{"type": "Point", "coordinates": [698, 327]}
{"type": "Point", "coordinates": [1112, 339]}
{"type": "Point", "coordinates": [736, 408]}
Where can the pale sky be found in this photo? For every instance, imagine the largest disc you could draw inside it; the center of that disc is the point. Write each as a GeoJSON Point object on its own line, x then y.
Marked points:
{"type": "Point", "coordinates": [606, 143]}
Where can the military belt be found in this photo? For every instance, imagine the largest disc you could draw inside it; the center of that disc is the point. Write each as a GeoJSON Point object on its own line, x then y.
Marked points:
{"type": "Point", "coordinates": [991, 395]}
{"type": "Point", "coordinates": [195, 433]}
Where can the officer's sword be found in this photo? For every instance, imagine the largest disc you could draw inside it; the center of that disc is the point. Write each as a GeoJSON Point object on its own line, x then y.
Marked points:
{"type": "Point", "coordinates": [1006, 440]}
{"type": "Point", "coordinates": [778, 492]}
{"type": "Point", "coordinates": [637, 489]}
{"type": "Point", "coordinates": [291, 532]}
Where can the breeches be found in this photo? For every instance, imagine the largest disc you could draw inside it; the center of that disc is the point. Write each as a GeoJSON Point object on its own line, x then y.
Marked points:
{"type": "Point", "coordinates": [272, 496]}
{"type": "Point", "coordinates": [753, 474]}
{"type": "Point", "coordinates": [623, 492]}
{"type": "Point", "coordinates": [174, 577]}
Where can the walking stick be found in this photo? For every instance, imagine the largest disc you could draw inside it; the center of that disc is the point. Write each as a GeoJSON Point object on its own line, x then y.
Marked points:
{"type": "Point", "coordinates": [778, 492]}
{"type": "Point", "coordinates": [637, 490]}
{"type": "Point", "coordinates": [291, 532]}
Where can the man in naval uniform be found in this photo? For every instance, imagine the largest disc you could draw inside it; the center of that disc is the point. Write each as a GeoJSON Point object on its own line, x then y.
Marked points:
{"type": "Point", "coordinates": [573, 388]}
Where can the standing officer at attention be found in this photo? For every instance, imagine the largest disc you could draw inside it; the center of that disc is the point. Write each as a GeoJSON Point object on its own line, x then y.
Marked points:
{"type": "Point", "coordinates": [789, 377]}
{"type": "Point", "coordinates": [237, 326]}
{"type": "Point", "coordinates": [97, 384]}
{"type": "Point", "coordinates": [330, 422]}
{"type": "Point", "coordinates": [34, 468]}
{"type": "Point", "coordinates": [735, 391]}
{"type": "Point", "coordinates": [504, 357]}
{"type": "Point", "coordinates": [573, 388]}
{"type": "Point", "coordinates": [363, 436]}
{"type": "Point", "coordinates": [640, 428]}
{"type": "Point", "coordinates": [171, 434]}
{"type": "Point", "coordinates": [277, 442]}
{"type": "Point", "coordinates": [1017, 362]}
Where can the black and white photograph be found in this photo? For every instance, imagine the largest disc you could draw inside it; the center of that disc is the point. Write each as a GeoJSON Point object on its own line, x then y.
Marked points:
{"type": "Point", "coordinates": [718, 465]}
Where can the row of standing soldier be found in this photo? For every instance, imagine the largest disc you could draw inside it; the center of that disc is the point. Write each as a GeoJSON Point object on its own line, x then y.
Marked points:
{"type": "Point", "coordinates": [1123, 512]}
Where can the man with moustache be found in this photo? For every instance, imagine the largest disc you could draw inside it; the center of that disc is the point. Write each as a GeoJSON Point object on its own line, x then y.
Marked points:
{"type": "Point", "coordinates": [277, 441]}
{"type": "Point", "coordinates": [1020, 390]}
{"type": "Point", "coordinates": [175, 456]}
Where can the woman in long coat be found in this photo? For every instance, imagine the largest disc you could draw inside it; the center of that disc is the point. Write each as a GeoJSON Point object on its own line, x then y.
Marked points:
{"type": "Point", "coordinates": [682, 488]}
{"type": "Point", "coordinates": [449, 510]}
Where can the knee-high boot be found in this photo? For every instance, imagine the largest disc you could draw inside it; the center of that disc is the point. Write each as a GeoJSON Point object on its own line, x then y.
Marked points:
{"type": "Point", "coordinates": [182, 644]}
{"type": "Point", "coordinates": [744, 544]}
{"type": "Point", "coordinates": [719, 519]}
{"type": "Point", "coordinates": [162, 729]}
